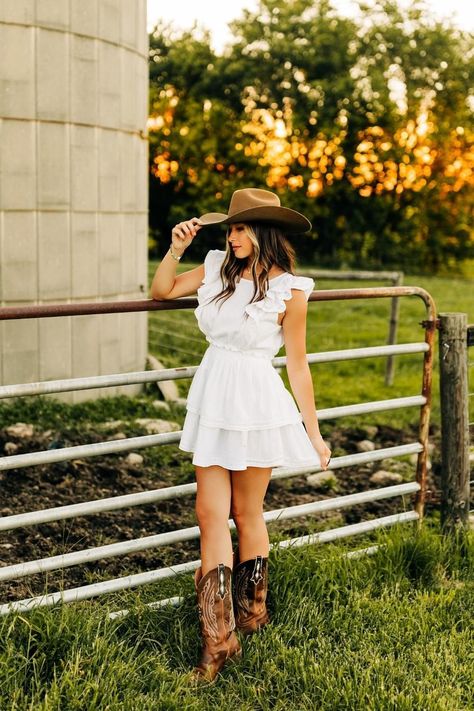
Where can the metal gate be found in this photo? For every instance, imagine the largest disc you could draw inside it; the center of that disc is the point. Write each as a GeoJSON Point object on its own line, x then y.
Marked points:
{"type": "Point", "coordinates": [419, 447]}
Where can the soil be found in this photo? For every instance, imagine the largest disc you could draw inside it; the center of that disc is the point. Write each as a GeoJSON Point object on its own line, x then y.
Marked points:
{"type": "Point", "coordinates": [40, 487]}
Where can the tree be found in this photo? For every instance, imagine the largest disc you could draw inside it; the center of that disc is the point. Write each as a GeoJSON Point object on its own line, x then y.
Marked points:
{"type": "Point", "coordinates": [364, 124]}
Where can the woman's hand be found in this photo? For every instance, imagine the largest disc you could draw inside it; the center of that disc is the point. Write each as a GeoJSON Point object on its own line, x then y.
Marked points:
{"type": "Point", "coordinates": [183, 234]}
{"type": "Point", "coordinates": [322, 449]}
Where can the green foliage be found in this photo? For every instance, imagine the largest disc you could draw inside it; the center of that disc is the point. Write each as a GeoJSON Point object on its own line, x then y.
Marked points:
{"type": "Point", "coordinates": [323, 76]}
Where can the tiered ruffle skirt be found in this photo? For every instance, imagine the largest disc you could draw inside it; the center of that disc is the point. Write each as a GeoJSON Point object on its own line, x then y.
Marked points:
{"type": "Point", "coordinates": [239, 414]}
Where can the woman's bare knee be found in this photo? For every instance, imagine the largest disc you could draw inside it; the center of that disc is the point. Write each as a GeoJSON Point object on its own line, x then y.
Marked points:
{"type": "Point", "coordinates": [208, 515]}
{"type": "Point", "coordinates": [247, 520]}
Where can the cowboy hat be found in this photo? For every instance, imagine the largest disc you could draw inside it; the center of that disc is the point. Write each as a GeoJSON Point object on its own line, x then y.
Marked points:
{"type": "Point", "coordinates": [254, 204]}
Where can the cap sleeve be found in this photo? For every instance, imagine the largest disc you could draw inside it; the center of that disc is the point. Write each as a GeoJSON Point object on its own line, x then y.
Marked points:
{"type": "Point", "coordinates": [212, 265]}
{"type": "Point", "coordinates": [278, 293]}
{"type": "Point", "coordinates": [211, 283]}
{"type": "Point", "coordinates": [306, 284]}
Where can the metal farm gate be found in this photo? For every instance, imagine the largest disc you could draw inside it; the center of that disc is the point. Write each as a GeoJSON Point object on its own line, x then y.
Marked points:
{"type": "Point", "coordinates": [419, 400]}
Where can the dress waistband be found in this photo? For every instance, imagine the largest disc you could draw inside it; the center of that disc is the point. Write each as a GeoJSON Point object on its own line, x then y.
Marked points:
{"type": "Point", "coordinates": [233, 349]}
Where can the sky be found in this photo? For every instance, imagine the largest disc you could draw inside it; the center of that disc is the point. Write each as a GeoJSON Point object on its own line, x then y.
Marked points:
{"type": "Point", "coordinates": [215, 15]}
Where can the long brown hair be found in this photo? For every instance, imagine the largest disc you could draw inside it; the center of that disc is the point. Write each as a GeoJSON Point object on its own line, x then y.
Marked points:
{"type": "Point", "coordinates": [270, 246]}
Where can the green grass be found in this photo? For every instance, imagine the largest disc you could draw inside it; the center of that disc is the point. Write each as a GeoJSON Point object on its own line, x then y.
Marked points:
{"type": "Point", "coordinates": [388, 631]}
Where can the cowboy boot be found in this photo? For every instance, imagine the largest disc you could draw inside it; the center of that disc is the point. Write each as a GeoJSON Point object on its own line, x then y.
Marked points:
{"type": "Point", "coordinates": [216, 617]}
{"type": "Point", "coordinates": [250, 587]}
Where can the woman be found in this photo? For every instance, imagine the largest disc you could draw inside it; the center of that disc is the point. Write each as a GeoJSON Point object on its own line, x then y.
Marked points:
{"type": "Point", "coordinates": [241, 421]}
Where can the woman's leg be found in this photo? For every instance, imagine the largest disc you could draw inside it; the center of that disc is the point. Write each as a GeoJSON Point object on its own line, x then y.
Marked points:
{"type": "Point", "coordinates": [249, 487]}
{"type": "Point", "coordinates": [212, 511]}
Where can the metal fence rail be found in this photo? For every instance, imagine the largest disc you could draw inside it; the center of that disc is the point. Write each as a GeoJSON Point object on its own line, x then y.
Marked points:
{"type": "Point", "coordinates": [88, 592]}
{"type": "Point", "coordinates": [418, 487]}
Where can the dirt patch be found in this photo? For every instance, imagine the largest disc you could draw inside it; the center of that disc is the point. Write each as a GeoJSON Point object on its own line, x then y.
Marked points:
{"type": "Point", "coordinates": [41, 487]}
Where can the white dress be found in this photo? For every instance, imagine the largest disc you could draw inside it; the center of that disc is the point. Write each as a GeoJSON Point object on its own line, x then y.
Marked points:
{"type": "Point", "coordinates": [238, 411]}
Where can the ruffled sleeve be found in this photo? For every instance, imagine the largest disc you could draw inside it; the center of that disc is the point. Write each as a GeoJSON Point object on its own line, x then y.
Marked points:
{"type": "Point", "coordinates": [278, 293]}
{"type": "Point", "coordinates": [211, 282]}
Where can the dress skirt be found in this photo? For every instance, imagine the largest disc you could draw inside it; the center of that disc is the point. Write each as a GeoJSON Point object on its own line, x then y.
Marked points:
{"type": "Point", "coordinates": [239, 414]}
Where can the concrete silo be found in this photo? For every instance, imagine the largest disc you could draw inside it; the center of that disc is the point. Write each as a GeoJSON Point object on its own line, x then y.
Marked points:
{"type": "Point", "coordinates": [73, 185]}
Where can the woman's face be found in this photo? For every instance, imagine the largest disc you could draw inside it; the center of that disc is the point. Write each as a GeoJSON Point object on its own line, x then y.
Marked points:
{"type": "Point", "coordinates": [239, 242]}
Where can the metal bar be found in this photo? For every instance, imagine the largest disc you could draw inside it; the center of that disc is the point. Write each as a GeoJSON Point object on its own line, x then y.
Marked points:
{"type": "Point", "coordinates": [96, 381]}
{"type": "Point", "coordinates": [98, 449]}
{"type": "Point", "coordinates": [344, 531]}
{"type": "Point", "coordinates": [88, 592]}
{"type": "Point", "coordinates": [87, 508]}
{"type": "Point", "coordinates": [146, 376]}
{"type": "Point", "coordinates": [190, 302]}
{"type": "Point", "coordinates": [111, 550]}
{"type": "Point", "coordinates": [392, 330]}
{"type": "Point", "coordinates": [174, 601]}
{"type": "Point", "coordinates": [358, 275]}
{"type": "Point", "coordinates": [430, 325]}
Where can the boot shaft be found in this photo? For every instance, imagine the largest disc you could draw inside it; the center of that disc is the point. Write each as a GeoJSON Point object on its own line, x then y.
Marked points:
{"type": "Point", "coordinates": [250, 587]}
{"type": "Point", "coordinates": [215, 604]}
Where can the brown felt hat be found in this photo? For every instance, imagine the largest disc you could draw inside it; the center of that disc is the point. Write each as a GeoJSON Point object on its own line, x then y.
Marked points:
{"type": "Point", "coordinates": [255, 204]}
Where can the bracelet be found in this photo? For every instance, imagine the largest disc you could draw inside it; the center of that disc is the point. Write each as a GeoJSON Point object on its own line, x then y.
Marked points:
{"type": "Point", "coordinates": [175, 258]}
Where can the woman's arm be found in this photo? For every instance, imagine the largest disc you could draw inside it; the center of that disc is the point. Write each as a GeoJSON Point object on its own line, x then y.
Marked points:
{"type": "Point", "coordinates": [299, 374]}
{"type": "Point", "coordinates": [165, 284]}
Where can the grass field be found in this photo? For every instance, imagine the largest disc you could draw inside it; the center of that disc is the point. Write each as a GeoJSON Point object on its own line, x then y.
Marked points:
{"type": "Point", "coordinates": [391, 631]}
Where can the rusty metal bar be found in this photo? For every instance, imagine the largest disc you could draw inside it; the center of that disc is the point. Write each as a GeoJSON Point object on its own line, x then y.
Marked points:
{"type": "Point", "coordinates": [190, 302]}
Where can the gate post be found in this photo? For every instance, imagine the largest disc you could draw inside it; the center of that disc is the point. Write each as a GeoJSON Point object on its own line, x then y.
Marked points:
{"type": "Point", "coordinates": [454, 422]}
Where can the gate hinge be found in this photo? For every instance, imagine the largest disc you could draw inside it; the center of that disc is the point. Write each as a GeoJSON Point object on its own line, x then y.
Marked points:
{"type": "Point", "coordinates": [430, 325]}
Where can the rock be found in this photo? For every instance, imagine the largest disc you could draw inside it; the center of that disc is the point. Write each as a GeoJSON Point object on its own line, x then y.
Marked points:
{"type": "Point", "coordinates": [181, 401]}
{"type": "Point", "coordinates": [365, 445]}
{"type": "Point", "coordinates": [386, 478]}
{"type": "Point", "coordinates": [396, 465]}
{"type": "Point", "coordinates": [117, 435]}
{"type": "Point", "coordinates": [10, 448]}
{"type": "Point", "coordinates": [134, 458]}
{"type": "Point", "coordinates": [161, 405]}
{"type": "Point", "coordinates": [370, 430]}
{"type": "Point", "coordinates": [157, 426]}
{"type": "Point", "coordinates": [414, 459]}
{"type": "Point", "coordinates": [322, 479]}
{"type": "Point", "coordinates": [110, 424]}
{"type": "Point", "coordinates": [20, 429]}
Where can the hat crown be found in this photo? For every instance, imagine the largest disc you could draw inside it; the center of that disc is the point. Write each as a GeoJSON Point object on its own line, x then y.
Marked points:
{"type": "Point", "coordinates": [249, 198]}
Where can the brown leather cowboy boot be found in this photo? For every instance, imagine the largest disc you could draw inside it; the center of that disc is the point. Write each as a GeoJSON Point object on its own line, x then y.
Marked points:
{"type": "Point", "coordinates": [249, 590]}
{"type": "Point", "coordinates": [216, 616]}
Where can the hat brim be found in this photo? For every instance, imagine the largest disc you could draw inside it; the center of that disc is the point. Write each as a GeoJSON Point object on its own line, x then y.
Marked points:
{"type": "Point", "coordinates": [290, 220]}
